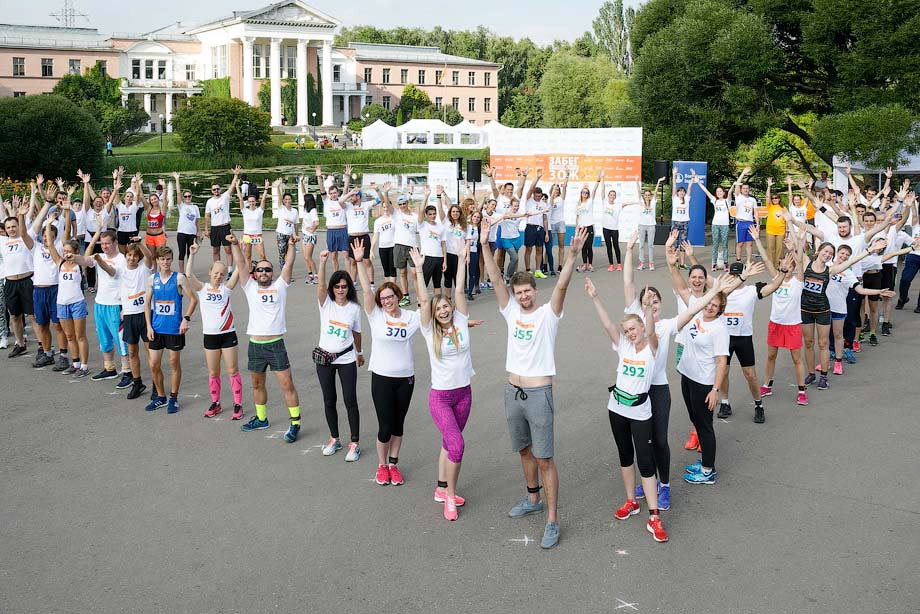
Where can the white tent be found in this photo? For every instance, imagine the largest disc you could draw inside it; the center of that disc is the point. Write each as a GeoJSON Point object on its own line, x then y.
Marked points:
{"type": "Point", "coordinates": [379, 135]}
{"type": "Point", "coordinates": [469, 135]}
{"type": "Point", "coordinates": [426, 134]}
{"type": "Point", "coordinates": [490, 130]}
{"type": "Point", "coordinates": [911, 167]}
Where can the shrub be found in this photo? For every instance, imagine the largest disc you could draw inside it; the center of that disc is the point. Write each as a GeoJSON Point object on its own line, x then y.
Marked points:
{"type": "Point", "coordinates": [220, 125]}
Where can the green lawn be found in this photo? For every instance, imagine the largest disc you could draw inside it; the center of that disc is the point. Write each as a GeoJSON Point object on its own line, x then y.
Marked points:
{"type": "Point", "coordinates": [150, 144]}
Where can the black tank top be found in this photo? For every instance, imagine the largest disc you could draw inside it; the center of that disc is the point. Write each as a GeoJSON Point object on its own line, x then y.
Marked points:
{"type": "Point", "coordinates": [814, 290]}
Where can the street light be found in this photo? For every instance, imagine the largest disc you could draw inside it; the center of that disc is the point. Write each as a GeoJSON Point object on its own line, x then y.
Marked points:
{"type": "Point", "coordinates": [314, 126]}
{"type": "Point", "coordinates": [162, 128]}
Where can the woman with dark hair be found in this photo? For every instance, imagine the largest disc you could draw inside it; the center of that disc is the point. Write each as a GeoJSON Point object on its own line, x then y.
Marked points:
{"type": "Point", "coordinates": [253, 210]}
{"type": "Point", "coordinates": [339, 351]}
{"type": "Point", "coordinates": [308, 226]}
{"type": "Point", "coordinates": [454, 242]}
{"type": "Point", "coordinates": [584, 218]}
{"type": "Point", "coordinates": [288, 216]}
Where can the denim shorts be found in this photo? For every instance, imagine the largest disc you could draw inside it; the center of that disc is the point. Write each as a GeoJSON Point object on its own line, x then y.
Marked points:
{"type": "Point", "coordinates": [529, 412]}
{"type": "Point", "coordinates": [73, 311]}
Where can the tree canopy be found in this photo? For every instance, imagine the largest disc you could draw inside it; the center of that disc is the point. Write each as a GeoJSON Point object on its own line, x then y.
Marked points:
{"type": "Point", "coordinates": [220, 125]}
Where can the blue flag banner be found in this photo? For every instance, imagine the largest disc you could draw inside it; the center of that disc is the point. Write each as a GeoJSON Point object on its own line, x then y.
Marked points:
{"type": "Point", "coordinates": [697, 232]}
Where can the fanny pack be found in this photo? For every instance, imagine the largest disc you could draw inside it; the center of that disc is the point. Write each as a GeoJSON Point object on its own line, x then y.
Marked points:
{"type": "Point", "coordinates": [627, 399]}
{"type": "Point", "coordinates": [322, 357]}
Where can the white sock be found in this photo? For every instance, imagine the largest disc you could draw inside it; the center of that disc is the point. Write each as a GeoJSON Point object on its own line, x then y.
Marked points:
{"type": "Point", "coordinates": [76, 364]}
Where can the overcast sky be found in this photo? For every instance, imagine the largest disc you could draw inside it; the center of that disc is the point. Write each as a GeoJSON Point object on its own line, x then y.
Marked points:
{"type": "Point", "coordinates": [541, 20]}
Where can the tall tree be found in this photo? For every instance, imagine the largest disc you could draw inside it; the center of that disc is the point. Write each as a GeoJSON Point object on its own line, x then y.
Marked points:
{"type": "Point", "coordinates": [574, 91]}
{"type": "Point", "coordinates": [611, 29]}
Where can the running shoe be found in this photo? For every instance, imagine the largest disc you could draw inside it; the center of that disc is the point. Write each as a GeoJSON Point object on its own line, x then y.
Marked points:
{"type": "Point", "coordinates": [156, 404]}
{"type": "Point", "coordinates": [759, 418]}
{"type": "Point", "coordinates": [18, 350]}
{"type": "Point", "coordinates": [917, 309]}
{"type": "Point", "coordinates": [173, 405]}
{"type": "Point", "coordinates": [62, 364]}
{"type": "Point", "coordinates": [873, 340]}
{"type": "Point", "coordinates": [611, 268]}
{"type": "Point", "coordinates": [354, 453]}
{"type": "Point", "coordinates": [818, 367]}
{"type": "Point", "coordinates": [900, 304]}
{"type": "Point", "coordinates": [664, 497]}
{"type": "Point", "coordinates": [715, 267]}
{"type": "Point", "coordinates": [700, 478]}
{"type": "Point", "coordinates": [332, 447]}
{"type": "Point", "coordinates": [654, 527]}
{"type": "Point", "coordinates": [105, 374]}
{"type": "Point", "coordinates": [640, 492]}
{"type": "Point", "coordinates": [71, 370]}
{"type": "Point", "coordinates": [838, 367]}
{"type": "Point", "coordinates": [725, 410]}
{"type": "Point", "coordinates": [125, 381]}
{"type": "Point", "coordinates": [692, 443]}
{"type": "Point", "coordinates": [550, 535]}
{"type": "Point", "coordinates": [404, 301]}
{"type": "Point", "coordinates": [4, 342]}
{"type": "Point", "coordinates": [695, 467]}
{"type": "Point", "coordinates": [137, 389]}
{"type": "Point", "coordinates": [802, 399]}
{"type": "Point", "coordinates": [43, 361]}
{"type": "Point", "coordinates": [641, 266]}
{"type": "Point", "coordinates": [213, 410]}
{"type": "Point", "coordinates": [525, 507]}
{"type": "Point", "coordinates": [383, 475]}
{"type": "Point", "coordinates": [81, 373]}
{"type": "Point", "coordinates": [849, 356]}
{"type": "Point", "coordinates": [291, 435]}
{"type": "Point", "coordinates": [450, 509]}
{"type": "Point", "coordinates": [237, 412]}
{"type": "Point", "coordinates": [539, 275]}
{"type": "Point", "coordinates": [396, 478]}
{"type": "Point", "coordinates": [619, 267]}
{"type": "Point", "coordinates": [857, 347]}
{"type": "Point", "coordinates": [591, 270]}
{"type": "Point", "coordinates": [822, 383]}
{"type": "Point", "coordinates": [766, 391]}
{"type": "Point", "coordinates": [630, 508]}
{"type": "Point", "coordinates": [810, 379]}
{"type": "Point", "coordinates": [440, 496]}
{"type": "Point", "coordinates": [886, 329]}
{"type": "Point", "coordinates": [255, 424]}
{"type": "Point", "coordinates": [651, 266]}
{"type": "Point", "coordinates": [489, 285]}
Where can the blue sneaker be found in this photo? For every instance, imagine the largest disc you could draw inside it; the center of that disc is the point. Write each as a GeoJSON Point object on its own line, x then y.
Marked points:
{"type": "Point", "coordinates": [255, 424]}
{"type": "Point", "coordinates": [156, 404]}
{"type": "Point", "coordinates": [173, 405]}
{"type": "Point", "coordinates": [810, 379]}
{"type": "Point", "coordinates": [849, 356]}
{"type": "Point", "coordinates": [664, 497]}
{"type": "Point", "coordinates": [524, 507]}
{"type": "Point", "coordinates": [701, 478]}
{"type": "Point", "coordinates": [640, 492]}
{"type": "Point", "coordinates": [550, 536]}
{"type": "Point", "coordinates": [291, 435]}
{"type": "Point", "coordinates": [695, 467]}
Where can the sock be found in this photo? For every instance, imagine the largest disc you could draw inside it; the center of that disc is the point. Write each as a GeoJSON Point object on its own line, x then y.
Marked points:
{"type": "Point", "coordinates": [393, 460]}
{"type": "Point", "coordinates": [295, 415]}
{"type": "Point", "coordinates": [652, 512]}
{"type": "Point", "coordinates": [63, 352]}
{"type": "Point", "coordinates": [801, 388]}
{"type": "Point", "coordinates": [707, 472]}
{"type": "Point", "coordinates": [837, 359]}
{"type": "Point", "coordinates": [236, 384]}
{"type": "Point", "coordinates": [668, 484]}
{"type": "Point", "coordinates": [137, 381]}
{"type": "Point", "coordinates": [724, 401]}
{"type": "Point", "coordinates": [214, 386]}
{"type": "Point", "coordinates": [41, 348]}
{"type": "Point", "coordinates": [77, 364]}
{"type": "Point", "coordinates": [174, 395]}
{"type": "Point", "coordinates": [442, 484]}
{"type": "Point", "coordinates": [823, 373]}
{"type": "Point", "coordinates": [261, 412]}
{"type": "Point", "coordinates": [770, 385]}
{"type": "Point", "coordinates": [758, 402]}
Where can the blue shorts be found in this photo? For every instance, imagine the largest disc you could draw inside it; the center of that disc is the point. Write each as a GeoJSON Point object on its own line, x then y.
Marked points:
{"type": "Point", "coordinates": [44, 302]}
{"type": "Point", "coordinates": [108, 328]}
{"type": "Point", "coordinates": [337, 239]}
{"type": "Point", "coordinates": [742, 228]}
{"type": "Point", "coordinates": [73, 311]}
{"type": "Point", "coordinates": [838, 316]}
{"type": "Point", "coordinates": [511, 244]}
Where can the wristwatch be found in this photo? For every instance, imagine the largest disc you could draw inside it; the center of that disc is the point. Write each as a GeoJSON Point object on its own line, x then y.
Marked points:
{"type": "Point", "coordinates": [187, 318]}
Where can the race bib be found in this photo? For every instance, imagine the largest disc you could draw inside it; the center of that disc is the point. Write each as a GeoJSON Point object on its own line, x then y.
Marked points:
{"type": "Point", "coordinates": [337, 329]}
{"type": "Point", "coordinates": [165, 308]}
{"type": "Point", "coordinates": [523, 332]}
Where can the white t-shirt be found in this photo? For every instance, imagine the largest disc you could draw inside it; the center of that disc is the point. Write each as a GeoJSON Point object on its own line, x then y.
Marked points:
{"type": "Point", "coordinates": [91, 222]}
{"type": "Point", "coordinates": [738, 316]}
{"type": "Point", "coordinates": [786, 307]}
{"type": "Point", "coordinates": [703, 341]}
{"type": "Point", "coordinates": [406, 225]}
{"type": "Point", "coordinates": [431, 236]}
{"type": "Point", "coordinates": [391, 351]}
{"type": "Point", "coordinates": [127, 217]}
{"type": "Point", "coordinates": [108, 287]}
{"type": "Point", "coordinates": [358, 217]}
{"type": "Point", "coordinates": [309, 218]}
{"type": "Point", "coordinates": [838, 288]}
{"type": "Point", "coordinates": [219, 209]}
{"type": "Point", "coordinates": [720, 208]}
{"type": "Point", "coordinates": [134, 288]}
{"type": "Point", "coordinates": [799, 213]}
{"type": "Point", "coordinates": [252, 220]}
{"type": "Point", "coordinates": [216, 311]}
{"type": "Point", "coordinates": [472, 235]}
{"type": "Point", "coordinates": [857, 244]}
{"type": "Point", "coordinates": [46, 272]}
{"type": "Point", "coordinates": [455, 368]}
{"type": "Point", "coordinates": [266, 307]}
{"type": "Point", "coordinates": [536, 209]}
{"type": "Point", "coordinates": [287, 221]}
{"type": "Point", "coordinates": [915, 234]}
{"type": "Point", "coordinates": [634, 376]}
{"type": "Point", "coordinates": [611, 218]}
{"type": "Point", "coordinates": [455, 240]}
{"type": "Point", "coordinates": [511, 229]}
{"type": "Point", "coordinates": [896, 240]}
{"type": "Point", "coordinates": [531, 340]}
{"type": "Point", "coordinates": [680, 210]}
{"type": "Point", "coordinates": [502, 204]}
{"type": "Point", "coordinates": [557, 211]}
{"type": "Point", "coordinates": [647, 213]}
{"type": "Point", "coordinates": [744, 207]}
{"type": "Point", "coordinates": [337, 325]}
{"type": "Point", "coordinates": [585, 212]}
{"type": "Point", "coordinates": [188, 215]}
{"type": "Point", "coordinates": [493, 227]}
{"type": "Point", "coordinates": [79, 216]}
{"type": "Point", "coordinates": [666, 330]}
{"type": "Point", "coordinates": [384, 227]}
{"type": "Point", "coordinates": [334, 214]}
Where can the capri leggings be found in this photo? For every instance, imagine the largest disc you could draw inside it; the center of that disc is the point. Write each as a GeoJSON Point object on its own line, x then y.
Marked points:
{"type": "Point", "coordinates": [587, 250]}
{"type": "Point", "coordinates": [348, 376]}
{"type": "Point", "coordinates": [386, 261]}
{"type": "Point", "coordinates": [392, 396]}
{"type": "Point", "coordinates": [660, 396]}
{"type": "Point", "coordinates": [185, 242]}
{"type": "Point", "coordinates": [450, 409]}
{"type": "Point", "coordinates": [701, 417]}
{"type": "Point", "coordinates": [627, 431]}
{"type": "Point", "coordinates": [282, 247]}
{"type": "Point", "coordinates": [451, 273]}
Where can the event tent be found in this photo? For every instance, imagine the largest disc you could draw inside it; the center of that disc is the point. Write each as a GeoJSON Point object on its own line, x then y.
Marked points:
{"type": "Point", "coordinates": [910, 167]}
{"type": "Point", "coordinates": [379, 135]}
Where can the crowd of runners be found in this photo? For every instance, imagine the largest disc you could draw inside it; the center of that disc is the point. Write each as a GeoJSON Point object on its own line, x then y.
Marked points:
{"type": "Point", "coordinates": [826, 258]}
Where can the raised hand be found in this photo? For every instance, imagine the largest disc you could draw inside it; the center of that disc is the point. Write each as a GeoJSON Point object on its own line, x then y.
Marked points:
{"type": "Point", "coordinates": [756, 268]}
{"type": "Point", "coordinates": [581, 235]}
{"type": "Point", "coordinates": [193, 248]}
{"type": "Point", "coordinates": [754, 231]}
{"type": "Point", "coordinates": [232, 240]}
{"type": "Point", "coordinates": [488, 170]}
{"type": "Point", "coordinates": [539, 173]}
{"type": "Point", "coordinates": [324, 256]}
{"type": "Point", "coordinates": [769, 182]}
{"type": "Point", "coordinates": [590, 290]}
{"type": "Point", "coordinates": [671, 255]}
{"type": "Point", "coordinates": [175, 175]}
{"type": "Point", "coordinates": [672, 238]}
{"type": "Point", "coordinates": [688, 247]}
{"type": "Point", "coordinates": [237, 170]}
{"type": "Point", "coordinates": [347, 171]}
{"type": "Point", "coordinates": [357, 246]}
{"type": "Point", "coordinates": [633, 239]}
{"type": "Point", "coordinates": [417, 258]}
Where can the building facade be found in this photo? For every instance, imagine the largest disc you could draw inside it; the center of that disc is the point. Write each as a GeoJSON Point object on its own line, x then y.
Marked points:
{"type": "Point", "coordinates": [255, 49]}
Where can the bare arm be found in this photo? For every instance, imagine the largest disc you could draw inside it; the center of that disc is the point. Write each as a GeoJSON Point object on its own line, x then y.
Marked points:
{"type": "Point", "coordinates": [192, 303]}
{"type": "Point", "coordinates": [193, 281]}
{"type": "Point", "coordinates": [557, 301]}
{"type": "Point", "coordinates": [612, 330]}
{"type": "Point", "coordinates": [754, 231]}
{"type": "Point", "coordinates": [321, 291]}
{"type": "Point", "coordinates": [629, 285]}
{"type": "Point", "coordinates": [460, 303]}
{"type": "Point", "coordinates": [600, 180]}
{"type": "Point", "coordinates": [490, 173]}
{"type": "Point", "coordinates": [492, 270]}
{"type": "Point", "coordinates": [684, 318]}
{"type": "Point", "coordinates": [424, 312]}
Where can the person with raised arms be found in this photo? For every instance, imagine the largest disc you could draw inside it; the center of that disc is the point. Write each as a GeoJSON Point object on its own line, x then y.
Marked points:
{"type": "Point", "coordinates": [155, 231]}
{"type": "Point", "coordinates": [188, 228]}
{"type": "Point", "coordinates": [647, 223]}
{"type": "Point", "coordinates": [358, 216]}
{"type": "Point", "coordinates": [217, 216]}
{"type": "Point", "coordinates": [745, 216]}
{"type": "Point", "coordinates": [253, 211]}
{"type": "Point", "coordinates": [680, 213]}
{"type": "Point", "coordinates": [133, 278]}
{"type": "Point", "coordinates": [308, 225]}
{"type": "Point", "coordinates": [610, 224]}
{"type": "Point", "coordinates": [127, 214]}
{"type": "Point", "coordinates": [721, 203]}
{"type": "Point", "coordinates": [45, 284]}
{"type": "Point", "coordinates": [384, 238]}
{"type": "Point", "coordinates": [334, 212]}
{"type": "Point", "coordinates": [218, 326]}
{"type": "Point", "coordinates": [536, 232]}
{"type": "Point", "coordinates": [288, 219]}
{"type": "Point", "coordinates": [531, 366]}
{"type": "Point", "coordinates": [584, 218]}
{"type": "Point", "coordinates": [556, 222]}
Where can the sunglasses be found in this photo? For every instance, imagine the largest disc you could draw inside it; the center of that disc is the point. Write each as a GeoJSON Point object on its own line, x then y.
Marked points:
{"type": "Point", "coordinates": [264, 269]}
{"type": "Point", "coordinates": [186, 196]}
{"type": "Point", "coordinates": [341, 287]}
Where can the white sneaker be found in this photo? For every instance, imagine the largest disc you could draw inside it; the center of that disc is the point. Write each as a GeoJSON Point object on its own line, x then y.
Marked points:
{"type": "Point", "coordinates": [373, 288]}
{"type": "Point", "coordinates": [332, 447]}
{"type": "Point", "coordinates": [354, 453]}
{"type": "Point", "coordinates": [4, 342]}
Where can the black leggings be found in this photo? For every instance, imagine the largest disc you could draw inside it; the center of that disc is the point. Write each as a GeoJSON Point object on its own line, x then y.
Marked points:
{"type": "Point", "coordinates": [695, 398]}
{"type": "Point", "coordinates": [185, 242]}
{"type": "Point", "coordinates": [348, 376]}
{"type": "Point", "coordinates": [587, 250]}
{"type": "Point", "coordinates": [386, 261]}
{"type": "Point", "coordinates": [626, 431]}
{"type": "Point", "coordinates": [612, 238]}
{"type": "Point", "coordinates": [660, 396]}
{"type": "Point", "coordinates": [392, 396]}
{"type": "Point", "coordinates": [431, 269]}
{"type": "Point", "coordinates": [450, 275]}
{"type": "Point", "coordinates": [854, 318]}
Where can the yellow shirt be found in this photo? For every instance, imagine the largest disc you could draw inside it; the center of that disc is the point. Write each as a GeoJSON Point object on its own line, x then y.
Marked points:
{"type": "Point", "coordinates": [776, 225]}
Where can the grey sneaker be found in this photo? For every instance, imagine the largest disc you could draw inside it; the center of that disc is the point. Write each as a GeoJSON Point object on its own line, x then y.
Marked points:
{"type": "Point", "coordinates": [332, 447]}
{"type": "Point", "coordinates": [62, 363]}
{"type": "Point", "coordinates": [43, 361]}
{"type": "Point", "coordinates": [354, 453]}
{"type": "Point", "coordinates": [550, 535]}
{"type": "Point", "coordinates": [525, 507]}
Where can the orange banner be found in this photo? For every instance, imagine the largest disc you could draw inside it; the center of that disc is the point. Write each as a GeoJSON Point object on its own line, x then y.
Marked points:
{"type": "Point", "coordinates": [580, 167]}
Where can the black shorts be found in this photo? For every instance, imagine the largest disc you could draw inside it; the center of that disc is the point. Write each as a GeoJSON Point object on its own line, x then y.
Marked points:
{"type": "Point", "coordinates": [823, 318]}
{"type": "Point", "coordinates": [174, 343]}
{"type": "Point", "coordinates": [18, 295]}
{"type": "Point", "coordinates": [219, 235]}
{"type": "Point", "coordinates": [431, 269]}
{"type": "Point", "coordinates": [889, 273]}
{"type": "Point", "coordinates": [365, 242]}
{"type": "Point", "coordinates": [125, 237]}
{"type": "Point", "coordinates": [386, 261]}
{"type": "Point", "coordinates": [534, 235]}
{"type": "Point", "coordinates": [221, 341]}
{"type": "Point", "coordinates": [872, 280]}
{"type": "Point", "coordinates": [743, 347]}
{"type": "Point", "coordinates": [134, 328]}
{"type": "Point", "coordinates": [265, 355]}
{"type": "Point", "coordinates": [185, 242]}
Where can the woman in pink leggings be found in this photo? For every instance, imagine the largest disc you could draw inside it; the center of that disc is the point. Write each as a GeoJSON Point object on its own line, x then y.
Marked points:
{"type": "Point", "coordinates": [446, 328]}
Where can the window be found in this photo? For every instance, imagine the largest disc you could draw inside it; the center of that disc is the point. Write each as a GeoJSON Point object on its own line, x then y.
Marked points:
{"type": "Point", "coordinates": [488, 78]}
{"type": "Point", "coordinates": [153, 103]}
{"type": "Point", "coordinates": [291, 53]}
{"type": "Point", "coordinates": [438, 77]}
{"type": "Point", "coordinates": [421, 77]}
{"type": "Point", "coordinates": [135, 69]}
{"type": "Point", "coordinates": [368, 100]}
{"type": "Point", "coordinates": [455, 77]}
{"type": "Point", "coordinates": [471, 78]}
{"type": "Point", "coordinates": [487, 105]}
{"type": "Point", "coordinates": [386, 103]}
{"type": "Point", "coordinates": [404, 75]}
{"type": "Point", "coordinates": [471, 105]}
{"type": "Point", "coordinates": [336, 73]}
{"type": "Point", "coordinates": [438, 102]}
{"type": "Point", "coordinates": [161, 69]}
{"type": "Point", "coordinates": [47, 67]}
{"type": "Point", "coordinates": [368, 73]}
{"type": "Point", "coordinates": [18, 94]}
{"type": "Point", "coordinates": [103, 67]}
{"type": "Point", "coordinates": [257, 61]}
{"type": "Point", "coordinates": [19, 67]}
{"type": "Point", "coordinates": [386, 75]}
{"type": "Point", "coordinates": [341, 103]}
{"type": "Point", "coordinates": [455, 103]}
{"type": "Point", "coordinates": [189, 72]}
{"type": "Point", "coordinates": [218, 62]}
{"type": "Point", "coordinates": [148, 69]}
{"type": "Point", "coordinates": [73, 67]}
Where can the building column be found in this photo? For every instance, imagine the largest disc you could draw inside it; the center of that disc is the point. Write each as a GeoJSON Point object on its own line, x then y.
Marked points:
{"type": "Point", "coordinates": [124, 100]}
{"type": "Point", "coordinates": [274, 67]}
{"type": "Point", "coordinates": [327, 84]}
{"type": "Point", "coordinates": [302, 110]}
{"type": "Point", "coordinates": [147, 109]}
{"type": "Point", "coordinates": [248, 83]}
{"type": "Point", "coordinates": [169, 110]}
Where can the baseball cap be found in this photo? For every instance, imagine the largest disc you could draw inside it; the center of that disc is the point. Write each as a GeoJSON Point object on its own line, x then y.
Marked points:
{"type": "Point", "coordinates": [402, 198]}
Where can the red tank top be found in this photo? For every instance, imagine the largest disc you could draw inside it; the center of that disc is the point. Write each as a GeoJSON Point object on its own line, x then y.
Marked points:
{"type": "Point", "coordinates": [155, 220]}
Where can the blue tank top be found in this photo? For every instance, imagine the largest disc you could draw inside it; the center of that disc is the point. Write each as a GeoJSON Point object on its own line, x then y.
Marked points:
{"type": "Point", "coordinates": [167, 305]}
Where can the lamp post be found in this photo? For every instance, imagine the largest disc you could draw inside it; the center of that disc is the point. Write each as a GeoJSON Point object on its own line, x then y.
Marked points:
{"type": "Point", "coordinates": [314, 126]}
{"type": "Point", "coordinates": [162, 128]}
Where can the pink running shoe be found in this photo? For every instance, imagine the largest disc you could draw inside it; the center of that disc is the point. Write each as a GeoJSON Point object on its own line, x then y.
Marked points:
{"type": "Point", "coordinates": [641, 266]}
{"type": "Point", "coordinates": [766, 391]}
{"type": "Point", "coordinates": [838, 367]}
{"type": "Point", "coordinates": [619, 267]}
{"type": "Point", "coordinates": [818, 367]}
{"type": "Point", "coordinates": [803, 398]}
{"type": "Point", "coordinates": [237, 412]}
{"type": "Point", "coordinates": [440, 496]}
{"type": "Point", "coordinates": [396, 477]}
{"type": "Point", "coordinates": [651, 266]}
{"type": "Point", "coordinates": [383, 475]}
{"type": "Point", "coordinates": [450, 509]}
{"type": "Point", "coordinates": [213, 410]}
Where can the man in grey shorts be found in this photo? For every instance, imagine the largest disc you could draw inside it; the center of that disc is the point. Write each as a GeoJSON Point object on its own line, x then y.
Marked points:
{"type": "Point", "coordinates": [531, 366]}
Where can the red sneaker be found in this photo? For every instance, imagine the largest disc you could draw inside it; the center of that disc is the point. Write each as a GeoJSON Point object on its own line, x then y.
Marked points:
{"type": "Point", "coordinates": [396, 477]}
{"type": "Point", "coordinates": [213, 410]}
{"type": "Point", "coordinates": [383, 475]}
{"type": "Point", "coordinates": [611, 268]}
{"type": "Point", "coordinates": [838, 367]}
{"type": "Point", "coordinates": [440, 496]}
{"type": "Point", "coordinates": [641, 266]}
{"type": "Point", "coordinates": [619, 267]}
{"type": "Point", "coordinates": [651, 266]}
{"type": "Point", "coordinates": [692, 443]}
{"type": "Point", "coordinates": [450, 509]}
{"type": "Point", "coordinates": [630, 508]}
{"type": "Point", "coordinates": [856, 346]}
{"type": "Point", "coordinates": [654, 527]}
{"type": "Point", "coordinates": [237, 412]}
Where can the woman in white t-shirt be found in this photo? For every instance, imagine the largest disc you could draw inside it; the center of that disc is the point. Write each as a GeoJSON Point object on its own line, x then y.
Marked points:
{"type": "Point", "coordinates": [253, 211]}
{"type": "Point", "coordinates": [384, 238]}
{"type": "Point", "coordinates": [308, 226]}
{"type": "Point", "coordinates": [288, 218]}
{"type": "Point", "coordinates": [584, 218]}
{"type": "Point", "coordinates": [721, 201]}
{"type": "Point", "coordinates": [472, 242]}
{"type": "Point", "coordinates": [647, 221]}
{"type": "Point", "coordinates": [556, 221]}
{"type": "Point", "coordinates": [455, 242]}
{"type": "Point", "coordinates": [680, 213]}
{"type": "Point", "coordinates": [340, 342]}
{"type": "Point", "coordinates": [188, 228]}
{"type": "Point", "coordinates": [511, 238]}
{"type": "Point", "coordinates": [71, 306]}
